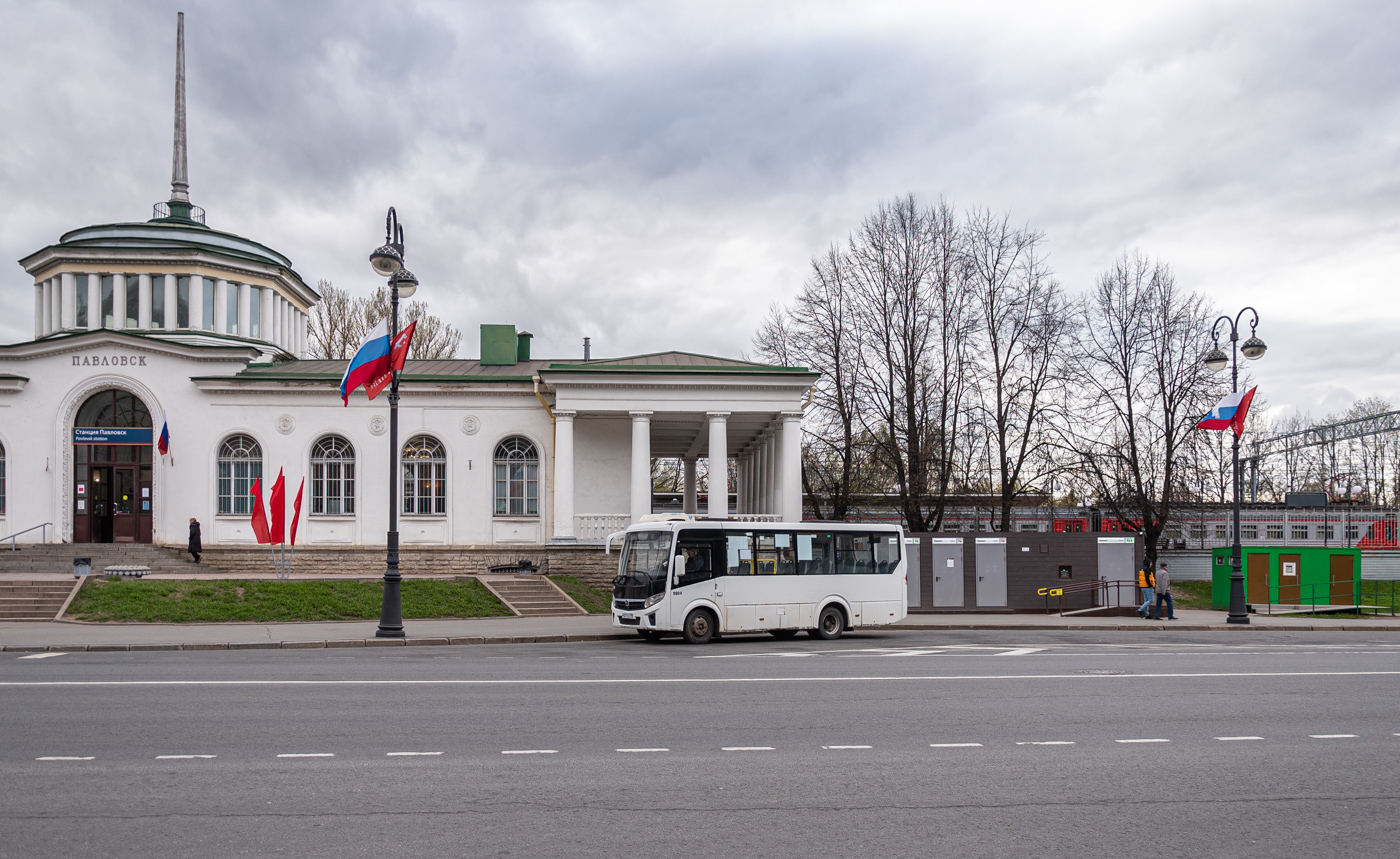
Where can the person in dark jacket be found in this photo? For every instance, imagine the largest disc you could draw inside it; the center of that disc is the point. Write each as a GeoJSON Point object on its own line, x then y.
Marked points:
{"type": "Point", "coordinates": [1164, 594]}
{"type": "Point", "coordinates": [196, 546]}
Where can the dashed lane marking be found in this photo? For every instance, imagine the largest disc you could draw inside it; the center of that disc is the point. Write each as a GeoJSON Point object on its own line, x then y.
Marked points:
{"type": "Point", "coordinates": [846, 747]}
{"type": "Point", "coordinates": [641, 751]}
{"type": "Point", "coordinates": [184, 757]}
{"type": "Point", "coordinates": [1153, 740]}
{"type": "Point", "coordinates": [1333, 736]}
{"type": "Point", "coordinates": [64, 758]}
{"type": "Point", "coordinates": [308, 755]}
{"type": "Point", "coordinates": [1021, 651]}
{"type": "Point", "coordinates": [1233, 739]}
{"type": "Point", "coordinates": [410, 754]}
{"type": "Point", "coordinates": [1046, 743]}
{"type": "Point", "coordinates": [747, 749]}
{"type": "Point", "coordinates": [43, 655]}
{"type": "Point", "coordinates": [954, 745]}
{"type": "Point", "coordinates": [529, 751]}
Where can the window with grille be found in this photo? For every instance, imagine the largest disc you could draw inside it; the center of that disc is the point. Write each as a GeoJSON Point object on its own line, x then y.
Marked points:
{"type": "Point", "coordinates": [517, 465]}
{"type": "Point", "coordinates": [1300, 532]}
{"type": "Point", "coordinates": [1275, 532]}
{"type": "Point", "coordinates": [333, 477]}
{"type": "Point", "coordinates": [424, 477]}
{"type": "Point", "coordinates": [240, 463]}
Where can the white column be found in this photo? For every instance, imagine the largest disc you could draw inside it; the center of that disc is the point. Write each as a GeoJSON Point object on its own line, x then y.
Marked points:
{"type": "Point", "coordinates": [39, 305]}
{"type": "Point", "coordinates": [94, 288]}
{"type": "Point", "coordinates": [279, 322]}
{"type": "Point", "coordinates": [68, 302]}
{"type": "Point", "coordinates": [688, 504]}
{"type": "Point", "coordinates": [265, 324]}
{"type": "Point", "coordinates": [299, 332]}
{"type": "Point", "coordinates": [773, 475]}
{"type": "Point", "coordinates": [245, 310]}
{"type": "Point", "coordinates": [170, 285]}
{"type": "Point", "coordinates": [143, 302]}
{"type": "Point", "coordinates": [196, 301]}
{"type": "Point", "coordinates": [641, 465]}
{"type": "Point", "coordinates": [220, 306]}
{"type": "Point", "coordinates": [792, 466]}
{"type": "Point", "coordinates": [718, 507]}
{"type": "Point", "coordinates": [118, 301]}
{"type": "Point", "coordinates": [47, 299]}
{"type": "Point", "coordinates": [564, 475]}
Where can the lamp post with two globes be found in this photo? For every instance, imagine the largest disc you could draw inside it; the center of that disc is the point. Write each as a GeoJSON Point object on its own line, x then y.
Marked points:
{"type": "Point", "coordinates": [387, 261]}
{"type": "Point", "coordinates": [1216, 360]}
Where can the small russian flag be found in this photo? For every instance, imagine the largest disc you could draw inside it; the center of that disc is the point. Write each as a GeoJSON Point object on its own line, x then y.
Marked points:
{"type": "Point", "coordinates": [163, 445]}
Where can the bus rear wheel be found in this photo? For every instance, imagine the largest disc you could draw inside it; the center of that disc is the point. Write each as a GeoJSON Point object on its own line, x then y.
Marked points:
{"type": "Point", "coordinates": [650, 634]}
{"type": "Point", "coordinates": [699, 627]}
{"type": "Point", "coordinates": [782, 633]}
{"type": "Point", "coordinates": [830, 624]}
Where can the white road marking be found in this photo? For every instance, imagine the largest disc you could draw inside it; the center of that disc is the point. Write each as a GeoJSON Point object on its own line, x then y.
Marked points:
{"type": "Point", "coordinates": [184, 757]}
{"type": "Point", "coordinates": [1021, 651]}
{"type": "Point", "coordinates": [1047, 743]}
{"type": "Point", "coordinates": [1143, 741]}
{"type": "Point", "coordinates": [409, 754]}
{"type": "Point", "coordinates": [62, 758]}
{"type": "Point", "coordinates": [1232, 739]}
{"type": "Point", "coordinates": [884, 678]}
{"type": "Point", "coordinates": [747, 749]}
{"type": "Point", "coordinates": [954, 745]}
{"type": "Point", "coordinates": [309, 755]}
{"type": "Point", "coordinates": [640, 751]}
{"type": "Point", "coordinates": [1332, 736]}
{"type": "Point", "coordinates": [553, 657]}
{"type": "Point", "coordinates": [846, 747]}
{"type": "Point", "coordinates": [43, 655]}
{"type": "Point", "coordinates": [530, 751]}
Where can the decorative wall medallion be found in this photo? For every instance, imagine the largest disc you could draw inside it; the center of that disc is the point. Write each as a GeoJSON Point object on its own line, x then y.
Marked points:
{"type": "Point", "coordinates": [471, 425]}
{"type": "Point", "coordinates": [378, 425]}
{"type": "Point", "coordinates": [285, 424]}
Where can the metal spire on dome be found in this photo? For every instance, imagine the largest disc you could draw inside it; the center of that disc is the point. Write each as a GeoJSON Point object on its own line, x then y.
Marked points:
{"type": "Point", "coordinates": [180, 172]}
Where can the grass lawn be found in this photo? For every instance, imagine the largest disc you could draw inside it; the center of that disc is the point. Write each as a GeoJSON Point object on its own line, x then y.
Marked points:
{"type": "Point", "coordinates": [594, 600]}
{"type": "Point", "coordinates": [1191, 595]}
{"type": "Point", "coordinates": [269, 601]}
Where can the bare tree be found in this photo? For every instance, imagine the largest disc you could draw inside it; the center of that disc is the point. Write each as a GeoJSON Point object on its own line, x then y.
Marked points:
{"type": "Point", "coordinates": [339, 323]}
{"type": "Point", "coordinates": [432, 339]}
{"type": "Point", "coordinates": [333, 330]}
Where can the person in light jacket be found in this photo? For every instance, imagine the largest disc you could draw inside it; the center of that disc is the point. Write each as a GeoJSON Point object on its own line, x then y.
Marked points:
{"type": "Point", "coordinates": [196, 546]}
{"type": "Point", "coordinates": [1164, 592]}
{"type": "Point", "coordinates": [1145, 588]}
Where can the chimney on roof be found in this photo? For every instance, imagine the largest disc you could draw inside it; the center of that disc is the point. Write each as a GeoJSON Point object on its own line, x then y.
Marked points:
{"type": "Point", "coordinates": [522, 346]}
{"type": "Point", "coordinates": [588, 348]}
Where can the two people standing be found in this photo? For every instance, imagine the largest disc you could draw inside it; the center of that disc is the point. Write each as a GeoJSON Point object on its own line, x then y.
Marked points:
{"type": "Point", "coordinates": [1156, 587]}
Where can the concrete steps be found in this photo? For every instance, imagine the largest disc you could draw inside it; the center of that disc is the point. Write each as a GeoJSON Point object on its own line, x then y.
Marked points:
{"type": "Point", "coordinates": [57, 558]}
{"type": "Point", "coordinates": [33, 600]}
{"type": "Point", "coordinates": [532, 596]}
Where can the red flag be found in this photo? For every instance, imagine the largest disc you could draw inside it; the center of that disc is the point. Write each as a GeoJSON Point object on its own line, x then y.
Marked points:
{"type": "Point", "coordinates": [1237, 422]}
{"type": "Point", "coordinates": [296, 510]}
{"type": "Point", "coordinates": [259, 515]}
{"type": "Point", "coordinates": [398, 353]}
{"type": "Point", "coordinates": [277, 506]}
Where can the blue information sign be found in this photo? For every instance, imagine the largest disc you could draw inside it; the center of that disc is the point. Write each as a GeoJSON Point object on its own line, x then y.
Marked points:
{"type": "Point", "coordinates": [111, 435]}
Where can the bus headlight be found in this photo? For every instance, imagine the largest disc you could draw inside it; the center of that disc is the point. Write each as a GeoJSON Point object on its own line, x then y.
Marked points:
{"type": "Point", "coordinates": [654, 599]}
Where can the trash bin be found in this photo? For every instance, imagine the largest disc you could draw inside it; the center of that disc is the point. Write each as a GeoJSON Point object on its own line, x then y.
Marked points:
{"type": "Point", "coordinates": [82, 567]}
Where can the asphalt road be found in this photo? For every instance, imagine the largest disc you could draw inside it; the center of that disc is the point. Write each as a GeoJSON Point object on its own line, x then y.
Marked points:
{"type": "Point", "coordinates": [900, 744]}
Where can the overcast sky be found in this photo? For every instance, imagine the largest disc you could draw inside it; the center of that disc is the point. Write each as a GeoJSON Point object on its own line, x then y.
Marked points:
{"type": "Point", "coordinates": [654, 175]}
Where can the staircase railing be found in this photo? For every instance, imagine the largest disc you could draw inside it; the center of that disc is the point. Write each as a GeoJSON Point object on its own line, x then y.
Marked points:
{"type": "Point", "coordinates": [43, 538]}
{"type": "Point", "coordinates": [1097, 589]}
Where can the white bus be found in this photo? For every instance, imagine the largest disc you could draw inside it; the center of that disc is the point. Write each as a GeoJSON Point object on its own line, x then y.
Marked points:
{"type": "Point", "coordinates": [704, 578]}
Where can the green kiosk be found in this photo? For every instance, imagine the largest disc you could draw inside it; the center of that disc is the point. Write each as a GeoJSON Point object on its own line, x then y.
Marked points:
{"type": "Point", "coordinates": [1289, 575]}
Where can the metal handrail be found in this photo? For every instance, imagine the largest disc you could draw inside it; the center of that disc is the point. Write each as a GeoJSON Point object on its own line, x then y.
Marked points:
{"type": "Point", "coordinates": [43, 538]}
{"type": "Point", "coordinates": [1098, 588]}
{"type": "Point", "coordinates": [1357, 594]}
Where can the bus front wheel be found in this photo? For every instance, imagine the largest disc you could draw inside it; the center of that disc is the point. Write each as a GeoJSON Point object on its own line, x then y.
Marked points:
{"type": "Point", "coordinates": [830, 624]}
{"type": "Point", "coordinates": [699, 627]}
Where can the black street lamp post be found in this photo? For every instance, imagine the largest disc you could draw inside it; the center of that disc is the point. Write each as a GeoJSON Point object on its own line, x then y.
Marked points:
{"type": "Point", "coordinates": [388, 261]}
{"type": "Point", "coordinates": [1216, 360]}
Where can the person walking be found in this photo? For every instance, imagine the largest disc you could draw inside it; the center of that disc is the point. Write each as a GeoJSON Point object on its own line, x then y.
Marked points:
{"type": "Point", "coordinates": [1164, 592]}
{"type": "Point", "coordinates": [1146, 588]}
{"type": "Point", "coordinates": [196, 546]}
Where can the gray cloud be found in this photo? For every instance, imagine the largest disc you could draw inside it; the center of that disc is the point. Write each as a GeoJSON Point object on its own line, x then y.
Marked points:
{"type": "Point", "coordinates": [655, 176]}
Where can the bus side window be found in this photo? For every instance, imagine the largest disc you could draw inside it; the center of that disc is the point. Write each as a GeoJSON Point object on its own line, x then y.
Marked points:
{"type": "Point", "coordinates": [815, 555]}
{"type": "Point", "coordinates": [886, 553]}
{"type": "Point", "coordinates": [694, 563]}
{"type": "Point", "coordinates": [740, 550]}
{"type": "Point", "coordinates": [853, 555]}
{"type": "Point", "coordinates": [786, 551]}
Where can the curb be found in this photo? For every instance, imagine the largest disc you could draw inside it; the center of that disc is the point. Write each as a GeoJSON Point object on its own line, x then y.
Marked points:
{"type": "Point", "coordinates": [316, 645]}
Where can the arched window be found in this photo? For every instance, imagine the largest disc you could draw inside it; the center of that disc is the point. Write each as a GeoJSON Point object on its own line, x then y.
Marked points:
{"type": "Point", "coordinates": [333, 477]}
{"type": "Point", "coordinates": [240, 463]}
{"type": "Point", "coordinates": [517, 478]}
{"type": "Point", "coordinates": [424, 476]}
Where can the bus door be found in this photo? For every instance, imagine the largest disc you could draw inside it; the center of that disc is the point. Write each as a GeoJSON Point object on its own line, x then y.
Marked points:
{"type": "Point", "coordinates": [696, 572]}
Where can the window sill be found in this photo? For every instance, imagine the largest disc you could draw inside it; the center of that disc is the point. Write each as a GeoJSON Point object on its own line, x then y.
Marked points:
{"type": "Point", "coordinates": [332, 517]}
{"type": "Point", "coordinates": [420, 516]}
{"type": "Point", "coordinates": [516, 518]}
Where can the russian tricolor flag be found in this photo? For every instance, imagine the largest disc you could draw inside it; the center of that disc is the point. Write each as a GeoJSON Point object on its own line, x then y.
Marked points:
{"type": "Point", "coordinates": [370, 362]}
{"type": "Point", "coordinates": [1229, 413]}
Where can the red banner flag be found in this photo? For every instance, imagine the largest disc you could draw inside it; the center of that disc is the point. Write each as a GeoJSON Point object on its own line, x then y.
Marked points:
{"type": "Point", "coordinates": [296, 510]}
{"type": "Point", "coordinates": [259, 515]}
{"type": "Point", "coordinates": [277, 506]}
{"type": "Point", "coordinates": [398, 353]}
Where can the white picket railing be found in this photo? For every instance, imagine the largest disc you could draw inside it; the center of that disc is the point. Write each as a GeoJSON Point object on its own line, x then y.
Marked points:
{"type": "Point", "coordinates": [595, 527]}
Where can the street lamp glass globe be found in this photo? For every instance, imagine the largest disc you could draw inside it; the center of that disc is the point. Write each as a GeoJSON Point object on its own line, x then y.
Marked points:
{"type": "Point", "coordinates": [386, 260]}
{"type": "Point", "coordinates": [408, 284]}
{"type": "Point", "coordinates": [1253, 348]}
{"type": "Point", "coordinates": [1216, 360]}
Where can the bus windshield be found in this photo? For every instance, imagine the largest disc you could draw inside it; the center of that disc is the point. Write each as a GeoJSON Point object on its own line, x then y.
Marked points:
{"type": "Point", "coordinates": [646, 558]}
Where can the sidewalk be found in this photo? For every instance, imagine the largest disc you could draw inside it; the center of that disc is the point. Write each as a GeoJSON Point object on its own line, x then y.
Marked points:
{"type": "Point", "coordinates": [71, 635]}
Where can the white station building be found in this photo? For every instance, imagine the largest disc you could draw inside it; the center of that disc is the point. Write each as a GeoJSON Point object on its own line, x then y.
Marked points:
{"type": "Point", "coordinates": [168, 322]}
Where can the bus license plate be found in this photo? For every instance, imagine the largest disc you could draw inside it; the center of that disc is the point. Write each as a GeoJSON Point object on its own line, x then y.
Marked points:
{"type": "Point", "coordinates": [627, 615]}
